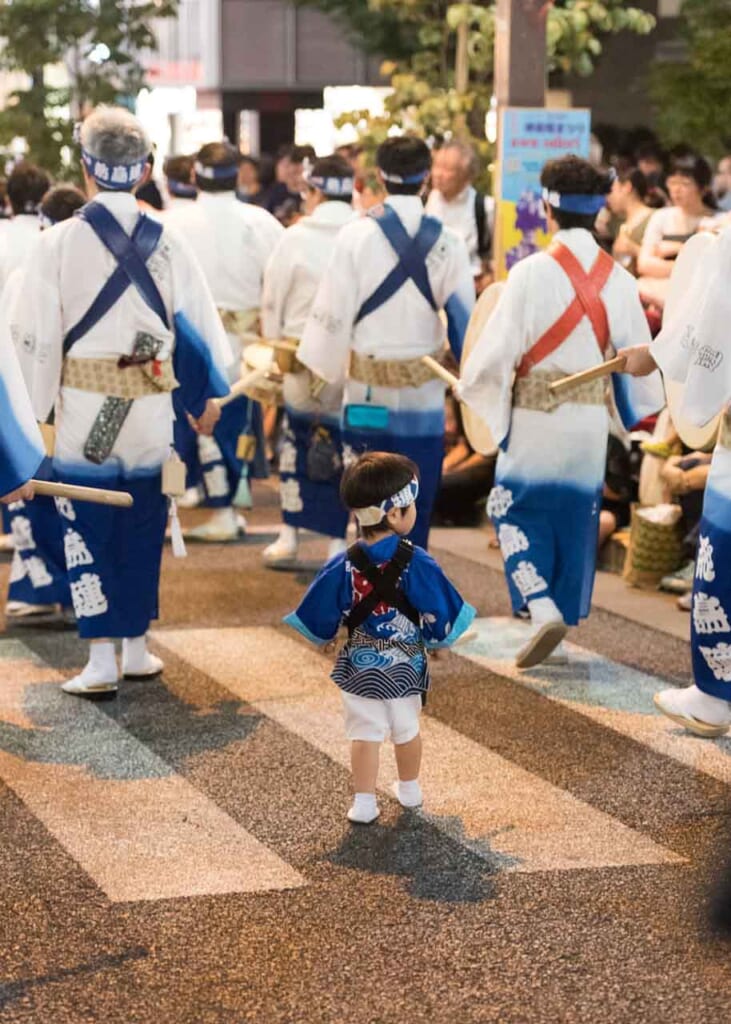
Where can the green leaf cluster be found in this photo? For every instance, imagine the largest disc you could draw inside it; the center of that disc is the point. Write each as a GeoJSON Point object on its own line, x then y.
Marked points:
{"type": "Point", "coordinates": [692, 96]}
{"type": "Point", "coordinates": [39, 35]}
{"type": "Point", "coordinates": [425, 100]}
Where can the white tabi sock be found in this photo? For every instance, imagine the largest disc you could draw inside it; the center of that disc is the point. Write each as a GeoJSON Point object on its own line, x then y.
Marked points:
{"type": "Point", "coordinates": [543, 610]}
{"type": "Point", "coordinates": [705, 707]}
{"type": "Point", "coordinates": [225, 518]}
{"type": "Point", "coordinates": [364, 809]}
{"type": "Point", "coordinates": [102, 664]}
{"type": "Point", "coordinates": [137, 660]}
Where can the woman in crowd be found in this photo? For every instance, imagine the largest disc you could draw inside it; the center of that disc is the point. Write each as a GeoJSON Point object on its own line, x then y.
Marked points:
{"type": "Point", "coordinates": [689, 180]}
{"type": "Point", "coordinates": [627, 201]}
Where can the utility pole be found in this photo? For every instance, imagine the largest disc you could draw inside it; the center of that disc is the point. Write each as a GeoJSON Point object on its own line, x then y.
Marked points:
{"type": "Point", "coordinates": [520, 53]}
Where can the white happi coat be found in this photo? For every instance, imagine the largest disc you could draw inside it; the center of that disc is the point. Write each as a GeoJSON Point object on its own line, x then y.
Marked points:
{"type": "Point", "coordinates": [64, 273]}
{"type": "Point", "coordinates": [694, 347]}
{"type": "Point", "coordinates": [404, 327]}
{"type": "Point", "coordinates": [536, 295]}
{"type": "Point", "coordinates": [291, 280]}
{"type": "Point", "coordinates": [233, 242]}
{"type": "Point", "coordinates": [17, 237]}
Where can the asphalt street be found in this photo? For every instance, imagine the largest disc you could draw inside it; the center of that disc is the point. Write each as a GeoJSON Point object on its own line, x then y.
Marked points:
{"type": "Point", "coordinates": [180, 855]}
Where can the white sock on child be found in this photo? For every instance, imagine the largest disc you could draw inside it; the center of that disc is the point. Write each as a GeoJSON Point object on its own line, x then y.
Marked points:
{"type": "Point", "coordinates": [408, 793]}
{"type": "Point", "coordinates": [364, 809]}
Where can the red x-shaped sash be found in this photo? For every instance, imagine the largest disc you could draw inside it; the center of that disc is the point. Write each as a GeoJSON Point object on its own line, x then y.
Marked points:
{"type": "Point", "coordinates": [588, 302]}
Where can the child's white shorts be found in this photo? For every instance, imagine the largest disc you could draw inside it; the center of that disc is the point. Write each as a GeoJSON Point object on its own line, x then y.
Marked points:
{"type": "Point", "coordinates": [373, 720]}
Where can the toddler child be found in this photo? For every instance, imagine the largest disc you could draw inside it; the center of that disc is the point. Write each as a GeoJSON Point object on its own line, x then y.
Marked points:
{"type": "Point", "coordinates": [396, 603]}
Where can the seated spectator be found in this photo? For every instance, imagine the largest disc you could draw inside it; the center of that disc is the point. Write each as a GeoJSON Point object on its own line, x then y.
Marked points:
{"type": "Point", "coordinates": [627, 200]}
{"type": "Point", "coordinates": [617, 491]}
{"type": "Point", "coordinates": [650, 159]}
{"type": "Point", "coordinates": [467, 476]}
{"type": "Point", "coordinates": [688, 182]}
{"type": "Point", "coordinates": [685, 477]}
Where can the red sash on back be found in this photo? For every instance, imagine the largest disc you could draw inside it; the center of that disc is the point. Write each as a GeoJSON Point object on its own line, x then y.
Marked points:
{"type": "Point", "coordinates": [588, 302]}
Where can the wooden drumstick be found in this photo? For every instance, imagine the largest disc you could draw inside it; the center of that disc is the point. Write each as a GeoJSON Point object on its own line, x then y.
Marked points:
{"type": "Point", "coordinates": [280, 344]}
{"type": "Point", "coordinates": [240, 387]}
{"type": "Point", "coordinates": [440, 371]}
{"type": "Point", "coordinates": [615, 365]}
{"type": "Point", "coordinates": [95, 495]}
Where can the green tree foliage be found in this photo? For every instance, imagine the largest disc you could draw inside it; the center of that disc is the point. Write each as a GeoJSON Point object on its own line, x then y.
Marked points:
{"type": "Point", "coordinates": [693, 97]}
{"type": "Point", "coordinates": [98, 42]}
{"type": "Point", "coordinates": [425, 99]}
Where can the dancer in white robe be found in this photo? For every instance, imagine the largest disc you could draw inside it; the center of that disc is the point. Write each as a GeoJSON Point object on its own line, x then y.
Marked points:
{"type": "Point", "coordinates": [694, 347]}
{"type": "Point", "coordinates": [560, 312]}
{"type": "Point", "coordinates": [233, 242]}
{"type": "Point", "coordinates": [112, 335]}
{"type": "Point", "coordinates": [27, 185]}
{"type": "Point", "coordinates": [377, 312]}
{"type": "Point", "coordinates": [310, 461]}
{"type": "Point", "coordinates": [39, 586]}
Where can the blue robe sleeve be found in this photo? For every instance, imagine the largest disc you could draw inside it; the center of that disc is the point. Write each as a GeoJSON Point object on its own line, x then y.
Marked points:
{"type": "Point", "coordinates": [445, 615]}
{"type": "Point", "coordinates": [326, 601]}
{"type": "Point", "coordinates": [21, 447]}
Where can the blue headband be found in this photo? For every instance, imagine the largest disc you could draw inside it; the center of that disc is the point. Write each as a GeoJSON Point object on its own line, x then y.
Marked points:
{"type": "Point", "coordinates": [331, 186]}
{"type": "Point", "coordinates": [571, 202]}
{"type": "Point", "coordinates": [116, 177]}
{"type": "Point", "coordinates": [373, 514]}
{"type": "Point", "coordinates": [409, 179]}
{"type": "Point", "coordinates": [222, 173]}
{"type": "Point", "coordinates": [178, 188]}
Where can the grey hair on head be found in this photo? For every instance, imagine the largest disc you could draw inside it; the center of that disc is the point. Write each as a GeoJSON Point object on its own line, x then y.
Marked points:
{"type": "Point", "coordinates": [467, 152]}
{"type": "Point", "coordinates": [114, 135]}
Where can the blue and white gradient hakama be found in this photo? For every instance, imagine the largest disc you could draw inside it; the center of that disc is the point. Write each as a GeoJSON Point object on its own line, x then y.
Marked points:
{"type": "Point", "coordinates": [710, 623]}
{"type": "Point", "coordinates": [415, 429]}
{"type": "Point", "coordinates": [386, 656]}
{"type": "Point", "coordinates": [21, 446]}
{"type": "Point", "coordinates": [113, 555]}
{"type": "Point", "coordinates": [38, 572]}
{"type": "Point", "coordinates": [310, 504]}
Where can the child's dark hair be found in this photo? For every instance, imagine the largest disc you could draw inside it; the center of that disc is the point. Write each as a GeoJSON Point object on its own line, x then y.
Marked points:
{"type": "Point", "coordinates": [374, 477]}
{"type": "Point", "coordinates": [571, 174]}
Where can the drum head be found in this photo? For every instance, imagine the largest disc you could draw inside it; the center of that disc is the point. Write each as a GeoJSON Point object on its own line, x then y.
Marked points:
{"type": "Point", "coordinates": [258, 356]}
{"type": "Point", "coordinates": [702, 439]}
{"type": "Point", "coordinates": [477, 431]}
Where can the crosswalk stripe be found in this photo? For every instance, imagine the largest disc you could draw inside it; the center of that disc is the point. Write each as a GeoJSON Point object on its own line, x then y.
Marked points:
{"type": "Point", "coordinates": [611, 694]}
{"type": "Point", "coordinates": [139, 830]}
{"type": "Point", "coordinates": [496, 808]}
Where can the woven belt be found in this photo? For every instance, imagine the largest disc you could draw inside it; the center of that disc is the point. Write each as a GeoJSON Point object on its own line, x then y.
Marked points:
{"type": "Point", "coordinates": [106, 377]}
{"type": "Point", "coordinates": [532, 392]}
{"type": "Point", "coordinates": [240, 321]}
{"type": "Point", "coordinates": [287, 362]}
{"type": "Point", "coordinates": [390, 373]}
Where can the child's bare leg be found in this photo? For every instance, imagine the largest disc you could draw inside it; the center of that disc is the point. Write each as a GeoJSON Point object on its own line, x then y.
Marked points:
{"type": "Point", "coordinates": [364, 764]}
{"type": "Point", "coordinates": [408, 759]}
{"type": "Point", "coordinates": [408, 762]}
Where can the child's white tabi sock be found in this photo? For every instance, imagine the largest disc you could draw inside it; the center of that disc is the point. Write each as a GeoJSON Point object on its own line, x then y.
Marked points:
{"type": "Point", "coordinates": [364, 809]}
{"type": "Point", "coordinates": [408, 793]}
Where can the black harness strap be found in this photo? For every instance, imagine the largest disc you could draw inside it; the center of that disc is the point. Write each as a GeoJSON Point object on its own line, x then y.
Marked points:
{"type": "Point", "coordinates": [384, 583]}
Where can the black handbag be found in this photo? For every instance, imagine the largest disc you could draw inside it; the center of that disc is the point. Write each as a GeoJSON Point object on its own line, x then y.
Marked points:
{"type": "Point", "coordinates": [323, 458]}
